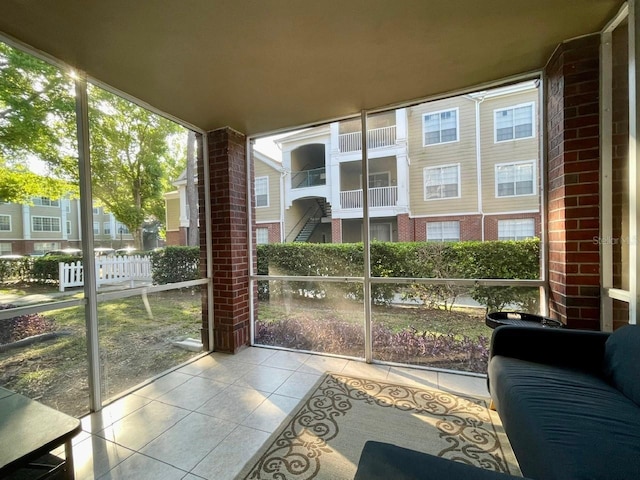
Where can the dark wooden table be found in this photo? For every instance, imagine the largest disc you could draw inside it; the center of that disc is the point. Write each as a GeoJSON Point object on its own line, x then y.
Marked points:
{"type": "Point", "coordinates": [29, 429]}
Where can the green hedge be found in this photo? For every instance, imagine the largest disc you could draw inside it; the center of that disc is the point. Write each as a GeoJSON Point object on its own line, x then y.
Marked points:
{"type": "Point", "coordinates": [46, 270]}
{"type": "Point", "coordinates": [15, 268]}
{"type": "Point", "coordinates": [175, 264]}
{"type": "Point", "coordinates": [492, 259]}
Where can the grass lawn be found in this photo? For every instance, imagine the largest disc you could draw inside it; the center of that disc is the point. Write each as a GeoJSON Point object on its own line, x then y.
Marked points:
{"type": "Point", "coordinates": [134, 347]}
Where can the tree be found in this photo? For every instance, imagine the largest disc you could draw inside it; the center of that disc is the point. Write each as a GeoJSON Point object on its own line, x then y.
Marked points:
{"type": "Point", "coordinates": [192, 192]}
{"type": "Point", "coordinates": [128, 152]}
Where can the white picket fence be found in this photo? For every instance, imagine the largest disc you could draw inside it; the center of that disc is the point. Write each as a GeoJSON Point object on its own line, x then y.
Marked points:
{"type": "Point", "coordinates": [108, 270]}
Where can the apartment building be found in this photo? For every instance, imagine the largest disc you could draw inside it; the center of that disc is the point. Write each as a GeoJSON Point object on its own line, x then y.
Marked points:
{"type": "Point", "coordinates": [52, 224]}
{"type": "Point", "coordinates": [462, 168]}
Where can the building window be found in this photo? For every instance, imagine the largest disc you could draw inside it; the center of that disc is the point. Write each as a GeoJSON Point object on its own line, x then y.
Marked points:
{"type": "Point", "coordinates": [262, 192]}
{"type": "Point", "coordinates": [5, 248]}
{"type": "Point", "coordinates": [96, 210]}
{"type": "Point", "coordinates": [41, 247]}
{"type": "Point", "coordinates": [106, 228]}
{"type": "Point", "coordinates": [68, 227]}
{"type": "Point", "coordinates": [442, 182]}
{"type": "Point", "coordinates": [514, 122]}
{"type": "Point", "coordinates": [440, 127]}
{"type": "Point", "coordinates": [443, 231]}
{"type": "Point", "coordinates": [45, 224]}
{"type": "Point", "coordinates": [96, 228]}
{"type": "Point", "coordinates": [380, 232]}
{"type": "Point", "coordinates": [518, 229]}
{"type": "Point", "coordinates": [122, 229]}
{"type": "Point", "coordinates": [45, 202]}
{"type": "Point", "coordinates": [514, 179]}
{"type": "Point", "coordinates": [5, 223]}
{"type": "Point", "coordinates": [262, 236]}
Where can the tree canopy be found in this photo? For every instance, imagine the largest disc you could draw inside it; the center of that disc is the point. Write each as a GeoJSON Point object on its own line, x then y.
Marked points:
{"type": "Point", "coordinates": [133, 153]}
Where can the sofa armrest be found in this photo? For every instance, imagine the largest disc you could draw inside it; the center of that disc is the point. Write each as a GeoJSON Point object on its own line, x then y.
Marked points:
{"type": "Point", "coordinates": [385, 461]}
{"type": "Point", "coordinates": [581, 349]}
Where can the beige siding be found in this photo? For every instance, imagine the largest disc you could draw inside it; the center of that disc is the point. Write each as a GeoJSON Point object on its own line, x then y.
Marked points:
{"type": "Point", "coordinates": [173, 212]}
{"type": "Point", "coordinates": [15, 212]}
{"type": "Point", "coordinates": [462, 152]}
{"type": "Point", "coordinates": [53, 212]}
{"type": "Point", "coordinates": [507, 152]}
{"type": "Point", "coordinates": [272, 212]}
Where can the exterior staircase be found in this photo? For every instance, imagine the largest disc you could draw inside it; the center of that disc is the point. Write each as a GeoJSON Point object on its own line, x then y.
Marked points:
{"type": "Point", "coordinates": [323, 210]}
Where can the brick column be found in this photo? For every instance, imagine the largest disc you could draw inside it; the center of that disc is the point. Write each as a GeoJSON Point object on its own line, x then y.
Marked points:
{"type": "Point", "coordinates": [228, 184]}
{"type": "Point", "coordinates": [573, 190]}
{"type": "Point", "coordinates": [336, 230]}
{"type": "Point", "coordinates": [405, 228]}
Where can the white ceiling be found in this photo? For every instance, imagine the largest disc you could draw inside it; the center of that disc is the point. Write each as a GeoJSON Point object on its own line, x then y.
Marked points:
{"type": "Point", "coordinates": [262, 65]}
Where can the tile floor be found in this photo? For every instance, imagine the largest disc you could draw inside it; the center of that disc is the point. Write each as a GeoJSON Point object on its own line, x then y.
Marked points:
{"type": "Point", "coordinates": [207, 419]}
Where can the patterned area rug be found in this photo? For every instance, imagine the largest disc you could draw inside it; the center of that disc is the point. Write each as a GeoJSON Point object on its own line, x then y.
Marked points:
{"type": "Point", "coordinates": [323, 439]}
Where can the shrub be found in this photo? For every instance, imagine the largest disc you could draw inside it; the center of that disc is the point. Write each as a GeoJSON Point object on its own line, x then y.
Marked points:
{"type": "Point", "coordinates": [45, 269]}
{"type": "Point", "coordinates": [23, 326]}
{"type": "Point", "coordinates": [484, 260]}
{"type": "Point", "coordinates": [15, 268]}
{"type": "Point", "coordinates": [175, 264]}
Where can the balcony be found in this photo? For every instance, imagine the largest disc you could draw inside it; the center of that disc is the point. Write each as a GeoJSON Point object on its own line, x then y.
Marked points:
{"type": "Point", "coordinates": [376, 138]}
{"type": "Point", "coordinates": [378, 197]}
{"type": "Point", "coordinates": [309, 178]}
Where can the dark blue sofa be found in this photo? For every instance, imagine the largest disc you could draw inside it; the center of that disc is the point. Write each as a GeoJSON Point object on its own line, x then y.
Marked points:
{"type": "Point", "coordinates": [569, 401]}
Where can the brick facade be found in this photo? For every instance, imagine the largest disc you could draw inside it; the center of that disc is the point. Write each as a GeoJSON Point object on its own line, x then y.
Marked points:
{"type": "Point", "coordinates": [228, 180]}
{"type": "Point", "coordinates": [491, 223]}
{"type": "Point", "coordinates": [573, 182]}
{"type": "Point", "coordinates": [336, 230]}
{"type": "Point", "coordinates": [274, 231]}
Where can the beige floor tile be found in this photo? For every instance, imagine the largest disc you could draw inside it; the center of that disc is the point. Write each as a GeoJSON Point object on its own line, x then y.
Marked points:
{"type": "Point", "coordinates": [463, 384]}
{"type": "Point", "coordinates": [230, 456]}
{"type": "Point", "coordinates": [413, 377]}
{"type": "Point", "coordinates": [193, 393]}
{"type": "Point", "coordinates": [141, 467]}
{"type": "Point", "coordinates": [298, 384]}
{"type": "Point", "coordinates": [320, 365]}
{"type": "Point", "coordinates": [271, 413]}
{"type": "Point", "coordinates": [142, 426]}
{"type": "Point", "coordinates": [113, 412]}
{"type": "Point", "coordinates": [265, 379]}
{"type": "Point", "coordinates": [366, 370]}
{"type": "Point", "coordinates": [95, 456]}
{"type": "Point", "coordinates": [234, 404]}
{"type": "Point", "coordinates": [196, 367]}
{"type": "Point", "coordinates": [254, 355]}
{"type": "Point", "coordinates": [227, 372]}
{"type": "Point", "coordinates": [190, 440]}
{"type": "Point", "coordinates": [163, 385]}
{"type": "Point", "coordinates": [286, 360]}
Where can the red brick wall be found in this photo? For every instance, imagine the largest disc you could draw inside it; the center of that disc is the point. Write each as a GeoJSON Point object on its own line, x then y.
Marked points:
{"type": "Point", "coordinates": [177, 237]}
{"type": "Point", "coordinates": [228, 179]}
{"type": "Point", "coordinates": [336, 230]}
{"type": "Point", "coordinates": [573, 189]}
{"type": "Point", "coordinates": [470, 226]}
{"type": "Point", "coordinates": [405, 228]}
{"type": "Point", "coordinates": [274, 231]}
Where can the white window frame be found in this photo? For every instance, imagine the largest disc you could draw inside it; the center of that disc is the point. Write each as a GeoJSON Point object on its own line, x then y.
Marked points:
{"type": "Point", "coordinates": [440, 167]}
{"type": "Point", "coordinates": [4, 250]}
{"type": "Point", "coordinates": [260, 232]}
{"type": "Point", "coordinates": [68, 227]}
{"type": "Point", "coordinates": [10, 225]}
{"type": "Point", "coordinates": [45, 202]}
{"type": "Point", "coordinates": [96, 228]}
{"type": "Point", "coordinates": [513, 108]}
{"type": "Point", "coordinates": [534, 188]}
{"type": "Point", "coordinates": [96, 210]}
{"type": "Point", "coordinates": [124, 227]}
{"type": "Point", "coordinates": [42, 247]}
{"type": "Point", "coordinates": [441, 226]}
{"type": "Point", "coordinates": [439, 112]}
{"type": "Point", "coordinates": [106, 228]}
{"type": "Point", "coordinates": [266, 180]}
{"type": "Point", "coordinates": [375, 174]}
{"type": "Point", "coordinates": [33, 218]}
{"type": "Point", "coordinates": [513, 224]}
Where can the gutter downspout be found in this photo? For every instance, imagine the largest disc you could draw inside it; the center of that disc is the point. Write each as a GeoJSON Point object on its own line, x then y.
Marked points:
{"type": "Point", "coordinates": [478, 101]}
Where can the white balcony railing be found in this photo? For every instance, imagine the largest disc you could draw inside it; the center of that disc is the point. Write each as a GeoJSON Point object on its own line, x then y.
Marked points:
{"type": "Point", "coordinates": [376, 138]}
{"type": "Point", "coordinates": [378, 197]}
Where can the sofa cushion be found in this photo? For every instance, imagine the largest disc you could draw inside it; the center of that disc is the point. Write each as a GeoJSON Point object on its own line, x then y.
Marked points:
{"type": "Point", "coordinates": [564, 423]}
{"type": "Point", "coordinates": [622, 361]}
